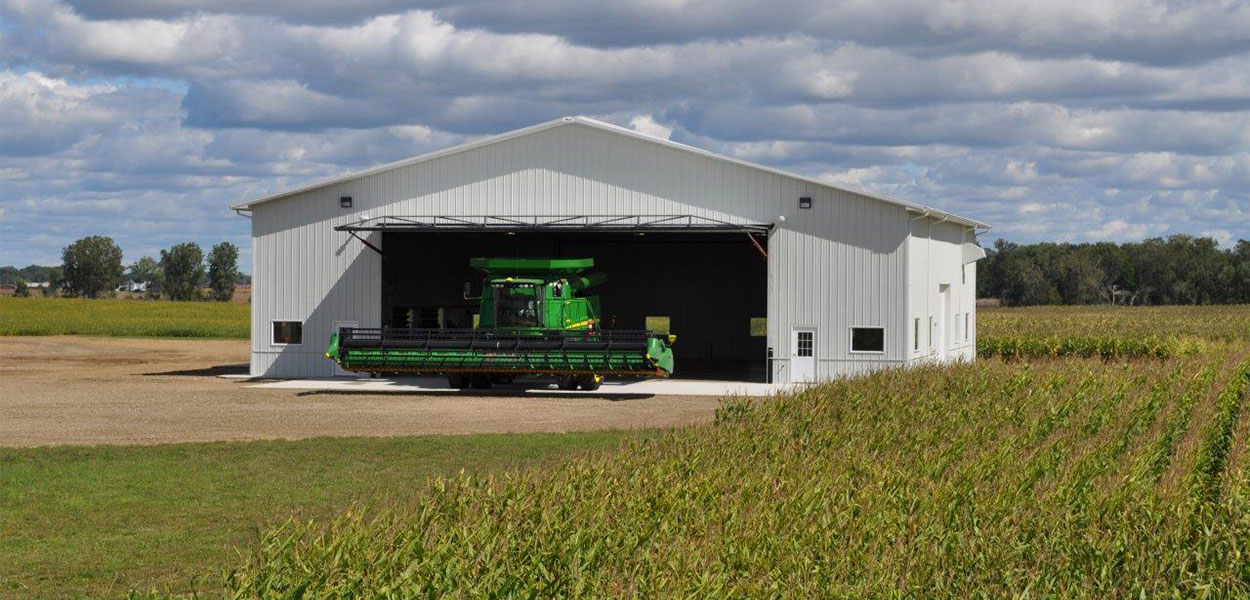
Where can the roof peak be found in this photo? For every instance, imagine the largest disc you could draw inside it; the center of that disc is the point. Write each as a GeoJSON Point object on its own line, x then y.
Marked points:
{"type": "Point", "coordinates": [610, 127]}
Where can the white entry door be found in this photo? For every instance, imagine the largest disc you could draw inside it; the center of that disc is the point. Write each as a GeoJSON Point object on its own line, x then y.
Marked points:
{"type": "Point", "coordinates": [803, 355]}
{"type": "Point", "coordinates": [336, 370]}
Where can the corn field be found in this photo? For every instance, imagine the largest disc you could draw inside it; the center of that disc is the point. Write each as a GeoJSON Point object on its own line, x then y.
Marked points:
{"type": "Point", "coordinates": [1109, 332]}
{"type": "Point", "coordinates": [1078, 478]}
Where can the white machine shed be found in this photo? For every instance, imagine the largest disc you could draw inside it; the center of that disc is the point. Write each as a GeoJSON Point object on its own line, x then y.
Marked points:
{"type": "Point", "coordinates": [762, 274]}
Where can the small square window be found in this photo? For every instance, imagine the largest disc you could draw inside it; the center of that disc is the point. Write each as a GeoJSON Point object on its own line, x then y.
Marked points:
{"type": "Point", "coordinates": [288, 332]}
{"type": "Point", "coordinates": [805, 344]}
{"type": "Point", "coordinates": [867, 339]}
{"type": "Point", "coordinates": [345, 201]}
{"type": "Point", "coordinates": [805, 202]}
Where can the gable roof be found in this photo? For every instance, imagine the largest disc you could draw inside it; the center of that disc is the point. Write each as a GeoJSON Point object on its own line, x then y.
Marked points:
{"type": "Point", "coordinates": [597, 124]}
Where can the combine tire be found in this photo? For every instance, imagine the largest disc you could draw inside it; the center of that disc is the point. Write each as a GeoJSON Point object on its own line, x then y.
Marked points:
{"type": "Point", "coordinates": [590, 383]}
{"type": "Point", "coordinates": [457, 381]}
{"type": "Point", "coordinates": [567, 382]}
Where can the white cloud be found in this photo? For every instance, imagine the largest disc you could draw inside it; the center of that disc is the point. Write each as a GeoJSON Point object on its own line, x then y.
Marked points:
{"type": "Point", "coordinates": [646, 124]}
{"type": "Point", "coordinates": [1073, 120]}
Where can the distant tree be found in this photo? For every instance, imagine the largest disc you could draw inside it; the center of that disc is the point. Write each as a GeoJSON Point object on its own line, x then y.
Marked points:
{"type": "Point", "coordinates": [23, 290]}
{"type": "Point", "coordinates": [223, 271]}
{"type": "Point", "coordinates": [92, 265]}
{"type": "Point", "coordinates": [56, 281]}
{"type": "Point", "coordinates": [183, 268]}
{"type": "Point", "coordinates": [148, 271]}
{"type": "Point", "coordinates": [1180, 269]}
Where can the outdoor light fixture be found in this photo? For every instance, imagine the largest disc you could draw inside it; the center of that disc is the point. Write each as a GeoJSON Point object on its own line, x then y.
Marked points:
{"type": "Point", "coordinates": [805, 202]}
{"type": "Point", "coordinates": [345, 202]}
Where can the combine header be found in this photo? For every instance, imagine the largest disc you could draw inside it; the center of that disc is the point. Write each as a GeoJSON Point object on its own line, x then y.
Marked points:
{"type": "Point", "coordinates": [531, 322]}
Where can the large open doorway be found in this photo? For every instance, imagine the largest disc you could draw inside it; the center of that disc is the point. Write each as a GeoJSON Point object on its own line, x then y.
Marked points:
{"type": "Point", "coordinates": [710, 288]}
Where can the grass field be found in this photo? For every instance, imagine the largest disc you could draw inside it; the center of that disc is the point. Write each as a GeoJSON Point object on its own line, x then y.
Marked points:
{"type": "Point", "coordinates": [96, 521]}
{"type": "Point", "coordinates": [126, 318]}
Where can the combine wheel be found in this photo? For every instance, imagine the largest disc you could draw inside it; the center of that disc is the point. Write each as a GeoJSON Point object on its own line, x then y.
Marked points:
{"type": "Point", "coordinates": [590, 383]}
{"type": "Point", "coordinates": [457, 381]}
{"type": "Point", "coordinates": [567, 382]}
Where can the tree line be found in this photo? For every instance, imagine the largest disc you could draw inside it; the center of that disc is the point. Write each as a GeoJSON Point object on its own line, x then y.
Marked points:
{"type": "Point", "coordinates": [1180, 269]}
{"type": "Point", "coordinates": [93, 266]}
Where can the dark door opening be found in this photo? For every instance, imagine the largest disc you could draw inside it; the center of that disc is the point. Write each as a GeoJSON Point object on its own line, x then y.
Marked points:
{"type": "Point", "coordinates": [711, 287]}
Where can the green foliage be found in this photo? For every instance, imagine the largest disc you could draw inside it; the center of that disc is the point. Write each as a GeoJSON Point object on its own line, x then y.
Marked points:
{"type": "Point", "coordinates": [10, 274]}
{"type": "Point", "coordinates": [1181, 269]}
{"type": "Point", "coordinates": [183, 269]}
{"type": "Point", "coordinates": [223, 271]}
{"type": "Point", "coordinates": [1106, 348]}
{"type": "Point", "coordinates": [89, 522]}
{"type": "Point", "coordinates": [147, 270]}
{"type": "Point", "coordinates": [21, 290]}
{"type": "Point", "coordinates": [92, 265]}
{"type": "Point", "coordinates": [988, 480]}
{"type": "Point", "coordinates": [1227, 323]}
{"type": "Point", "coordinates": [126, 318]}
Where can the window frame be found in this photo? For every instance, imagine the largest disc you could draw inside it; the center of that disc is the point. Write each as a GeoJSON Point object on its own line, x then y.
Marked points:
{"type": "Point", "coordinates": [851, 339]}
{"type": "Point", "coordinates": [273, 332]}
{"type": "Point", "coordinates": [811, 343]}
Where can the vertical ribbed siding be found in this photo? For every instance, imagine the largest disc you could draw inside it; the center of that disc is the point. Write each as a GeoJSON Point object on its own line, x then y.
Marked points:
{"type": "Point", "coordinates": [936, 251]}
{"type": "Point", "coordinates": [837, 265]}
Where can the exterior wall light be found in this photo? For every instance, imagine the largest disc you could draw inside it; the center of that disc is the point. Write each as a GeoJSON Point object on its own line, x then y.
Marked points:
{"type": "Point", "coordinates": [805, 202]}
{"type": "Point", "coordinates": [345, 202]}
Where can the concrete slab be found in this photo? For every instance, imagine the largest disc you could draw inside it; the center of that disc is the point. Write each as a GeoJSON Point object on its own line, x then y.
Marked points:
{"type": "Point", "coordinates": [425, 385]}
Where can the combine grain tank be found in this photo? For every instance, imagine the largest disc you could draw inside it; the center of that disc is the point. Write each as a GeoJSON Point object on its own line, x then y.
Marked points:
{"type": "Point", "coordinates": [533, 321]}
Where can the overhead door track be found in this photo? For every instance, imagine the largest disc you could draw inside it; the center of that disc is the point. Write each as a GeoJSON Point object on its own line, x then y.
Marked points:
{"type": "Point", "coordinates": [571, 223]}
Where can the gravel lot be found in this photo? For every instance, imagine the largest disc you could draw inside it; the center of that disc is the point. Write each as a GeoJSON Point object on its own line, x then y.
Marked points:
{"type": "Point", "coordinates": [83, 390]}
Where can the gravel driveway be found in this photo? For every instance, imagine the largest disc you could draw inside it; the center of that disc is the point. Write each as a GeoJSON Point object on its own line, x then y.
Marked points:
{"type": "Point", "coordinates": [83, 390]}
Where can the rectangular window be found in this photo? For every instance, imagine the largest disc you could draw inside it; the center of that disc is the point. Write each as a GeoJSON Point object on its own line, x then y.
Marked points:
{"type": "Point", "coordinates": [963, 274]}
{"type": "Point", "coordinates": [967, 334]}
{"type": "Point", "coordinates": [867, 339]}
{"type": "Point", "coordinates": [955, 330]}
{"type": "Point", "coordinates": [915, 339]}
{"type": "Point", "coordinates": [805, 343]}
{"type": "Point", "coordinates": [288, 332]}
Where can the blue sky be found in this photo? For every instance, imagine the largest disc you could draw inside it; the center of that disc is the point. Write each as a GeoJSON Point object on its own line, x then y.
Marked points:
{"type": "Point", "coordinates": [1063, 120]}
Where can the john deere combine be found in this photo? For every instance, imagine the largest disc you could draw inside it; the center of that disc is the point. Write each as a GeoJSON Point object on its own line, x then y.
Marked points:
{"type": "Point", "coordinates": [532, 321]}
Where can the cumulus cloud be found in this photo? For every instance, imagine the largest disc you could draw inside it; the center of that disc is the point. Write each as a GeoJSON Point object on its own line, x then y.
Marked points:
{"type": "Point", "coordinates": [1097, 119]}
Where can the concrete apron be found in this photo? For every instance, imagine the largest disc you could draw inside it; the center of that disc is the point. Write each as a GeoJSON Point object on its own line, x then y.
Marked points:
{"type": "Point", "coordinates": [422, 385]}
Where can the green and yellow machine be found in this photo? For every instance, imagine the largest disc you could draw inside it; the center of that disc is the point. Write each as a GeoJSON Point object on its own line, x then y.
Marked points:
{"type": "Point", "coordinates": [532, 321]}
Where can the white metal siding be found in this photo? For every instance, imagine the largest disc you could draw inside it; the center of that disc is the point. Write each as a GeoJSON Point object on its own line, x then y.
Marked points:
{"type": "Point", "coordinates": [936, 257]}
{"type": "Point", "coordinates": [837, 265]}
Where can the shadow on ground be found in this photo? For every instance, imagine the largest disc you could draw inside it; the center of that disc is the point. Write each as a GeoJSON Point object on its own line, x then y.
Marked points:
{"type": "Point", "coordinates": [213, 371]}
{"type": "Point", "coordinates": [512, 393]}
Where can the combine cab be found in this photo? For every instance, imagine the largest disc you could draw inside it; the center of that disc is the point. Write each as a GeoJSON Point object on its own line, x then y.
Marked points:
{"type": "Point", "coordinates": [532, 321]}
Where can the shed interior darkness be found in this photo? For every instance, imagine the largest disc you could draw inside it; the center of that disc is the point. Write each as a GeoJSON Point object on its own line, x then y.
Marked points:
{"type": "Point", "coordinates": [710, 285]}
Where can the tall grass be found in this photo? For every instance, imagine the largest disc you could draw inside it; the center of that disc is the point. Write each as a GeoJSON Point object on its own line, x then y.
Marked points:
{"type": "Point", "coordinates": [125, 318]}
{"type": "Point", "coordinates": [990, 480]}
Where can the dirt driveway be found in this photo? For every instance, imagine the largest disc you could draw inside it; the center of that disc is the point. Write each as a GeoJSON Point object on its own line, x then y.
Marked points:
{"type": "Point", "coordinates": [83, 390]}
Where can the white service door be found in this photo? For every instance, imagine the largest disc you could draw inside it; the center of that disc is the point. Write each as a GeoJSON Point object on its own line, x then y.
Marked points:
{"type": "Point", "coordinates": [803, 355]}
{"type": "Point", "coordinates": [336, 370]}
{"type": "Point", "coordinates": [943, 320]}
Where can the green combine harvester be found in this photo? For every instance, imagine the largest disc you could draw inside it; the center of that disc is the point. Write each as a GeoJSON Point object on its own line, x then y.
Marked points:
{"type": "Point", "coordinates": [532, 322]}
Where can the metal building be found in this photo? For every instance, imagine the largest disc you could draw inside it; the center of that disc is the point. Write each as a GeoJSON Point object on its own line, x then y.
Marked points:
{"type": "Point", "coordinates": [761, 274]}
